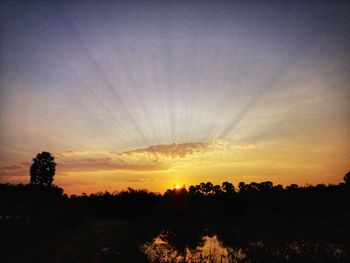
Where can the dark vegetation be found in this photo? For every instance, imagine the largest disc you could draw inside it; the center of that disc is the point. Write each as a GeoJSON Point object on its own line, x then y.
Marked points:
{"type": "Point", "coordinates": [200, 202]}
{"type": "Point", "coordinates": [271, 223]}
{"type": "Point", "coordinates": [33, 216]}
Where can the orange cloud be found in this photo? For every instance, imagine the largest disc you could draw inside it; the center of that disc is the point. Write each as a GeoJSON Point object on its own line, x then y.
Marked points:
{"type": "Point", "coordinates": [153, 158]}
{"type": "Point", "coordinates": [13, 171]}
{"type": "Point", "coordinates": [174, 150]}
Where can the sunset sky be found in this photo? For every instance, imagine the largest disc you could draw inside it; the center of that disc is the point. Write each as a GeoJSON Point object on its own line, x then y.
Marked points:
{"type": "Point", "coordinates": [149, 94]}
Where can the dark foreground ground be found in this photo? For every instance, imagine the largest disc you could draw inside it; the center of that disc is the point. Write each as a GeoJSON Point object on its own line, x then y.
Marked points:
{"type": "Point", "coordinates": [23, 242]}
{"type": "Point", "coordinates": [258, 223]}
{"type": "Point", "coordinates": [124, 239]}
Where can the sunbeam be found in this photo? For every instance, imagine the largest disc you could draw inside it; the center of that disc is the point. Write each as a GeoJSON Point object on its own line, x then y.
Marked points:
{"type": "Point", "coordinates": [228, 90]}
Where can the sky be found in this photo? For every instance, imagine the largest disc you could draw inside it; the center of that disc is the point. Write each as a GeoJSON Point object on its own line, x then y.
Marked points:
{"type": "Point", "coordinates": [150, 94]}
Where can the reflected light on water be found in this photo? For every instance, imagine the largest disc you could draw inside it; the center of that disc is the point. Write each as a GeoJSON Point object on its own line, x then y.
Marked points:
{"type": "Point", "coordinates": [212, 250]}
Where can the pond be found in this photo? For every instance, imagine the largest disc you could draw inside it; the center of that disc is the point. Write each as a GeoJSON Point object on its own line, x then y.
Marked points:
{"type": "Point", "coordinates": [169, 246]}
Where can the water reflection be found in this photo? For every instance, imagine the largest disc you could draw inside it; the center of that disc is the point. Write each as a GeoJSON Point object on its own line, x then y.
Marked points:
{"type": "Point", "coordinates": [212, 250]}
{"type": "Point", "coordinates": [209, 248]}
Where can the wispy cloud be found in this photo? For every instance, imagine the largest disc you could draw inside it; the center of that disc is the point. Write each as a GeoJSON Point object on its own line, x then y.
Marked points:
{"type": "Point", "coordinates": [18, 170]}
{"type": "Point", "coordinates": [108, 164]}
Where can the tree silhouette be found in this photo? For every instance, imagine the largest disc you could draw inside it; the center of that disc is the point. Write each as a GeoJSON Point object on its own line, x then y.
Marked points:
{"type": "Point", "coordinates": [347, 178]}
{"type": "Point", "coordinates": [228, 187]}
{"type": "Point", "coordinates": [43, 169]}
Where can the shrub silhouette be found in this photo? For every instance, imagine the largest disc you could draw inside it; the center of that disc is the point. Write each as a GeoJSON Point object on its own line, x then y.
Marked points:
{"type": "Point", "coordinates": [43, 169]}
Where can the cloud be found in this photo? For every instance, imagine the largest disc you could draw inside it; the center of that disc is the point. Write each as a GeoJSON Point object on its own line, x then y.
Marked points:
{"type": "Point", "coordinates": [141, 180]}
{"type": "Point", "coordinates": [174, 150]}
{"type": "Point", "coordinates": [108, 164]}
{"type": "Point", "coordinates": [77, 154]}
{"type": "Point", "coordinates": [13, 168]}
{"type": "Point", "coordinates": [153, 158]}
{"type": "Point", "coordinates": [18, 170]}
{"type": "Point", "coordinates": [74, 182]}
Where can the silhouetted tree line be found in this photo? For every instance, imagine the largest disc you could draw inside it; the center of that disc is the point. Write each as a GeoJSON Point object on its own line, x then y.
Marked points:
{"type": "Point", "coordinates": [204, 200]}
